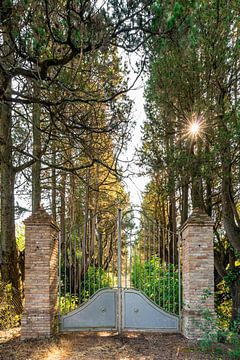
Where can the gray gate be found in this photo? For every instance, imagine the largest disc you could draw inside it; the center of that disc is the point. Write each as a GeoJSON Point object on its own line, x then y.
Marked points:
{"type": "Point", "coordinates": [125, 276]}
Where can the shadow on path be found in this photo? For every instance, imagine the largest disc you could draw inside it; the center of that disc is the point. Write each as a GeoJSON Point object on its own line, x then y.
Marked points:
{"type": "Point", "coordinates": [100, 346]}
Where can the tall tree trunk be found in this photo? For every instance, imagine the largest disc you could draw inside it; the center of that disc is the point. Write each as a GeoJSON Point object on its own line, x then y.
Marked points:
{"type": "Point", "coordinates": [71, 202]}
{"type": "Point", "coordinates": [208, 186]}
{"type": "Point", "coordinates": [230, 214]}
{"type": "Point", "coordinates": [86, 222]}
{"type": "Point", "coordinates": [172, 190]}
{"type": "Point", "coordinates": [54, 185]}
{"type": "Point", "coordinates": [184, 178]}
{"type": "Point", "coordinates": [197, 187]}
{"type": "Point", "coordinates": [209, 196]}
{"type": "Point", "coordinates": [63, 208]}
{"type": "Point", "coordinates": [235, 293]}
{"type": "Point", "coordinates": [184, 203]}
{"type": "Point", "coordinates": [9, 255]}
{"type": "Point", "coordinates": [173, 228]}
{"type": "Point", "coordinates": [230, 225]}
{"type": "Point", "coordinates": [36, 167]}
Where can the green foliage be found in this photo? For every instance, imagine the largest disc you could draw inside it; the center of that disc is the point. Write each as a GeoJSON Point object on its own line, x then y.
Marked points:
{"type": "Point", "coordinates": [234, 354]}
{"type": "Point", "coordinates": [8, 316]}
{"type": "Point", "coordinates": [223, 310]}
{"type": "Point", "coordinates": [20, 237]}
{"type": "Point", "coordinates": [159, 281]}
{"type": "Point", "coordinates": [214, 334]}
{"type": "Point", "coordinates": [232, 275]}
{"type": "Point", "coordinates": [95, 279]}
{"type": "Point", "coordinates": [67, 303]}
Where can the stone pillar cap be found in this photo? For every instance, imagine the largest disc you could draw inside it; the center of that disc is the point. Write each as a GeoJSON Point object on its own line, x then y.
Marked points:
{"type": "Point", "coordinates": [197, 217]}
{"type": "Point", "coordinates": [41, 217]}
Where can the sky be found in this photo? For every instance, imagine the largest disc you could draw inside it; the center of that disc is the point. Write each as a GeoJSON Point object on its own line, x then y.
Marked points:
{"type": "Point", "coordinates": [134, 183]}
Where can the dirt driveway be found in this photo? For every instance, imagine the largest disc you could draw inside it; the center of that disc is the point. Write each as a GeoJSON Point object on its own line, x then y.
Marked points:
{"type": "Point", "coordinates": [102, 346]}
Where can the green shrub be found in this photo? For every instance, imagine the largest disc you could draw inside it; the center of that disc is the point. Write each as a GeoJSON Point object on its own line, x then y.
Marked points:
{"type": "Point", "coordinates": [214, 334]}
{"type": "Point", "coordinates": [8, 316]}
{"type": "Point", "coordinates": [20, 237]}
{"type": "Point", "coordinates": [95, 279]}
{"type": "Point", "coordinates": [223, 303]}
{"type": "Point", "coordinates": [234, 354]}
{"type": "Point", "coordinates": [159, 281]}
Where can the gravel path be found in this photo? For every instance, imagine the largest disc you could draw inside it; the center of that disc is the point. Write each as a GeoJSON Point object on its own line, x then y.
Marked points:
{"type": "Point", "coordinates": [102, 346]}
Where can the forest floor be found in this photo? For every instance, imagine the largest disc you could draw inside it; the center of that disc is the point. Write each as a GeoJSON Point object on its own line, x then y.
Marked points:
{"type": "Point", "coordinates": [100, 346]}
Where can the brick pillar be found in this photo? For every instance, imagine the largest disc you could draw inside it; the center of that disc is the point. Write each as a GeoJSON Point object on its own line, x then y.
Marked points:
{"type": "Point", "coordinates": [41, 274]}
{"type": "Point", "coordinates": [197, 272]}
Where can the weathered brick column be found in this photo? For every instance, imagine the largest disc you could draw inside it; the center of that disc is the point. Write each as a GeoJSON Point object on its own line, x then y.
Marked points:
{"type": "Point", "coordinates": [197, 272]}
{"type": "Point", "coordinates": [41, 273]}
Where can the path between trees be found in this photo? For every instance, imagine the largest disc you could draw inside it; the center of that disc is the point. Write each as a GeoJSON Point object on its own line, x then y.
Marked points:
{"type": "Point", "coordinates": [101, 346]}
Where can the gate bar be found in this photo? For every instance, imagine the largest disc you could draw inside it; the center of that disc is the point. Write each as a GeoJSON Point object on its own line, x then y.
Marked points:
{"type": "Point", "coordinates": [119, 264]}
{"type": "Point", "coordinates": [59, 277]}
{"type": "Point", "coordinates": [179, 273]}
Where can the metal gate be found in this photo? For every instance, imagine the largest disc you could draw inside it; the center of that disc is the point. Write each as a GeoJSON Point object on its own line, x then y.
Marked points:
{"type": "Point", "coordinates": [123, 277]}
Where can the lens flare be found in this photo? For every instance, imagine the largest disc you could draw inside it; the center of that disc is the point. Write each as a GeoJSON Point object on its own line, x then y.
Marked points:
{"type": "Point", "coordinates": [194, 128]}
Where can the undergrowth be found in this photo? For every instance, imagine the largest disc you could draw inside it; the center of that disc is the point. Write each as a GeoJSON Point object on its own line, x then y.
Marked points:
{"type": "Point", "coordinates": [8, 316]}
{"type": "Point", "coordinates": [220, 341]}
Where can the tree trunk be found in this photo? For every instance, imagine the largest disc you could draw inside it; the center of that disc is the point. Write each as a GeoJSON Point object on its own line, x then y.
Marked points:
{"type": "Point", "coordinates": [209, 186]}
{"type": "Point", "coordinates": [9, 256]}
{"type": "Point", "coordinates": [235, 293]}
{"type": "Point", "coordinates": [36, 167]}
{"type": "Point", "coordinates": [54, 187]}
{"type": "Point", "coordinates": [209, 197]}
{"type": "Point", "coordinates": [231, 228]}
{"type": "Point", "coordinates": [63, 209]}
{"type": "Point", "coordinates": [173, 229]}
{"type": "Point", "coordinates": [230, 225]}
{"type": "Point", "coordinates": [86, 222]}
{"type": "Point", "coordinates": [184, 212]}
{"type": "Point", "coordinates": [197, 188]}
